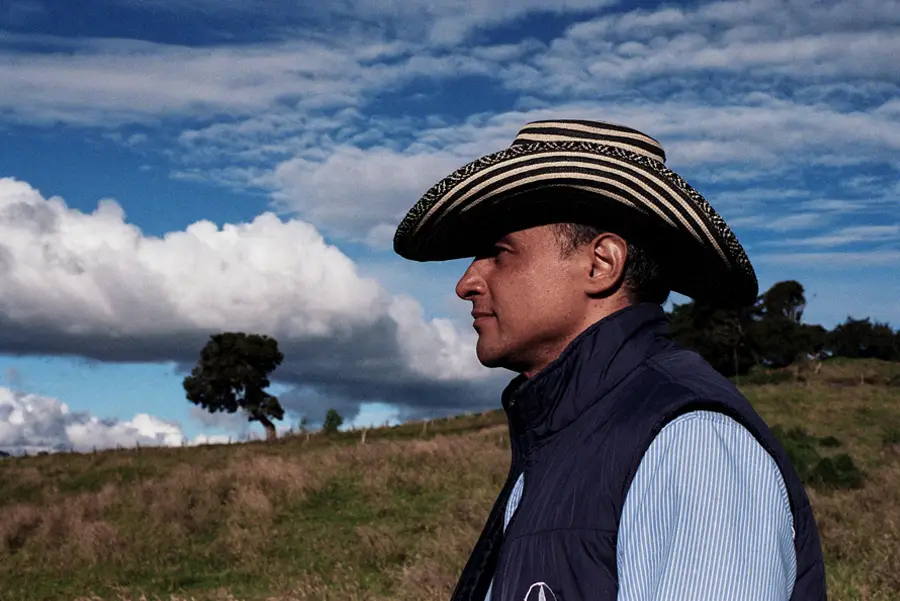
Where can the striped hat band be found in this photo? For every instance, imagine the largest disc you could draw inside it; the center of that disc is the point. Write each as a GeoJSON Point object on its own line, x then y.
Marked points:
{"type": "Point", "coordinates": [616, 171]}
{"type": "Point", "coordinates": [608, 134]}
{"type": "Point", "coordinates": [622, 181]}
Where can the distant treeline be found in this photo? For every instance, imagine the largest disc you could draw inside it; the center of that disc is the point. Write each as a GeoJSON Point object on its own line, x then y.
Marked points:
{"type": "Point", "coordinates": [771, 333]}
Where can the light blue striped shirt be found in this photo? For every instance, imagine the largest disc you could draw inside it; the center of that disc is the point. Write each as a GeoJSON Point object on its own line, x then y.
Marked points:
{"type": "Point", "coordinates": [707, 517]}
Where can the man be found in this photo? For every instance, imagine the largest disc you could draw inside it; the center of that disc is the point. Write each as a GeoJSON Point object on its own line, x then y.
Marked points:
{"type": "Point", "coordinates": [638, 472]}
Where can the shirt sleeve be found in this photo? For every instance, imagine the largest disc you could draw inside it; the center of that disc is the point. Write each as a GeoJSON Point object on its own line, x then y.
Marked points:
{"type": "Point", "coordinates": [707, 518]}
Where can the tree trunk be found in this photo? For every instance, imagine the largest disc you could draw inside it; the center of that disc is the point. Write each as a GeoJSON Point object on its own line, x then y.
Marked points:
{"type": "Point", "coordinates": [269, 426]}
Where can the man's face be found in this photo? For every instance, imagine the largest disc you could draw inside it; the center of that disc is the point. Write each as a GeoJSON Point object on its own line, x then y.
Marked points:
{"type": "Point", "coordinates": [528, 300]}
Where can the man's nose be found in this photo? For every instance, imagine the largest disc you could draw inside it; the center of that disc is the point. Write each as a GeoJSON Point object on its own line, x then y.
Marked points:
{"type": "Point", "coordinates": [470, 284]}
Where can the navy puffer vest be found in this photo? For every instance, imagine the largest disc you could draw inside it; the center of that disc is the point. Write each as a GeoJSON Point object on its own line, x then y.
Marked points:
{"type": "Point", "coordinates": [578, 431]}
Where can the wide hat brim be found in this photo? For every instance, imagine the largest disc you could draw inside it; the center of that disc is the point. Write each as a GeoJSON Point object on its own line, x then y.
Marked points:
{"type": "Point", "coordinates": [589, 172]}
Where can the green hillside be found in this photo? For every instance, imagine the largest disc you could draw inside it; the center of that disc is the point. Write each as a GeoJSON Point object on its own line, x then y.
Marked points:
{"type": "Point", "coordinates": [394, 518]}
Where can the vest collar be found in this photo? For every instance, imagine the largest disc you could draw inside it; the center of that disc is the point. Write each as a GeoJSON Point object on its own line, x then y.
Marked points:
{"type": "Point", "coordinates": [591, 365]}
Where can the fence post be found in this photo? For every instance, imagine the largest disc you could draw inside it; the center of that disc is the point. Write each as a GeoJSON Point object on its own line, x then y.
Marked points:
{"type": "Point", "coordinates": [363, 439]}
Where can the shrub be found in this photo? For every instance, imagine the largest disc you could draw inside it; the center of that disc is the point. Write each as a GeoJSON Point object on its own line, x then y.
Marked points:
{"type": "Point", "coordinates": [836, 472]}
{"type": "Point", "coordinates": [825, 473]}
{"type": "Point", "coordinates": [891, 436]}
{"type": "Point", "coordinates": [829, 441]}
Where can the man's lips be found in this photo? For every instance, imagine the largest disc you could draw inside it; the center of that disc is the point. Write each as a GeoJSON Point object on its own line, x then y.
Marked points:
{"type": "Point", "coordinates": [480, 317]}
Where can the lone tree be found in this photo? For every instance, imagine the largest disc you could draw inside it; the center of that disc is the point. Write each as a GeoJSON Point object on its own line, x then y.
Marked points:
{"type": "Point", "coordinates": [333, 421]}
{"type": "Point", "coordinates": [232, 373]}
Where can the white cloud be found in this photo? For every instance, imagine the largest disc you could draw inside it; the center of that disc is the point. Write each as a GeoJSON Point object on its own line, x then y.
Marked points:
{"type": "Point", "coordinates": [97, 273]}
{"type": "Point", "coordinates": [709, 81]}
{"type": "Point", "coordinates": [805, 39]}
{"type": "Point", "coordinates": [211, 6]}
{"type": "Point", "coordinates": [360, 194]}
{"type": "Point", "coordinates": [103, 82]}
{"type": "Point", "coordinates": [835, 205]}
{"type": "Point", "coordinates": [111, 82]}
{"type": "Point", "coordinates": [756, 93]}
{"type": "Point", "coordinates": [847, 235]}
{"type": "Point", "coordinates": [781, 223]}
{"type": "Point", "coordinates": [816, 45]}
{"type": "Point", "coordinates": [91, 284]}
{"type": "Point", "coordinates": [30, 422]}
{"type": "Point", "coordinates": [212, 439]}
{"type": "Point", "coordinates": [434, 346]}
{"type": "Point", "coordinates": [767, 132]}
{"type": "Point", "coordinates": [232, 422]}
{"type": "Point", "coordinates": [832, 260]}
{"type": "Point", "coordinates": [450, 22]}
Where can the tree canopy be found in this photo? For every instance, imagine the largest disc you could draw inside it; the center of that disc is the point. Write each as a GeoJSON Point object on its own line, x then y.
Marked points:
{"type": "Point", "coordinates": [333, 421]}
{"type": "Point", "coordinates": [771, 333]}
{"type": "Point", "coordinates": [785, 300]}
{"type": "Point", "coordinates": [233, 373]}
{"type": "Point", "coordinates": [861, 338]}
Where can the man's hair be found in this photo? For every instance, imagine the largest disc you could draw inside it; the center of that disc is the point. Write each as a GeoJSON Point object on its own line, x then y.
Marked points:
{"type": "Point", "coordinates": [643, 278]}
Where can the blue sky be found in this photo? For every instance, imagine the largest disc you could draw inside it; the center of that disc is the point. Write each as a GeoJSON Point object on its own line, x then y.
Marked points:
{"type": "Point", "coordinates": [172, 168]}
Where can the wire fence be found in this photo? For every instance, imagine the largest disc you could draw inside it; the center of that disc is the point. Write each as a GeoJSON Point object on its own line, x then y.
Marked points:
{"type": "Point", "coordinates": [412, 429]}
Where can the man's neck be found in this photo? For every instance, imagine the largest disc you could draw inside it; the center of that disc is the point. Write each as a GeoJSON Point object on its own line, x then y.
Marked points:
{"type": "Point", "coordinates": [596, 312]}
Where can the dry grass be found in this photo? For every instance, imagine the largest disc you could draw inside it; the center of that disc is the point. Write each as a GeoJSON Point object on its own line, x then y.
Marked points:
{"type": "Point", "coordinates": [394, 518]}
{"type": "Point", "coordinates": [75, 531]}
{"type": "Point", "coordinates": [860, 529]}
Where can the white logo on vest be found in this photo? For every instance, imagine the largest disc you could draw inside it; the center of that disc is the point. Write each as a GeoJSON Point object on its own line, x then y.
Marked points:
{"type": "Point", "coordinates": [539, 591]}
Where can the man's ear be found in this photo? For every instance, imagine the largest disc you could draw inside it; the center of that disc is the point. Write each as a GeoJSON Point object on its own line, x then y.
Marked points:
{"type": "Point", "coordinates": [609, 253]}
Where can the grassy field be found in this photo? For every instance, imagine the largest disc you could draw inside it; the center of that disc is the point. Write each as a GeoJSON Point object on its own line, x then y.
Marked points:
{"type": "Point", "coordinates": [394, 518]}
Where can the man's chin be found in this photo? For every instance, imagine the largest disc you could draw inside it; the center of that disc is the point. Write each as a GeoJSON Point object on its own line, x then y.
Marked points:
{"type": "Point", "coordinates": [490, 357]}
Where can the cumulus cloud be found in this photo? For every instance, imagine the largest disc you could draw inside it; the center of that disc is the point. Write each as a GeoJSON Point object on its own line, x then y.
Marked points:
{"type": "Point", "coordinates": [233, 422]}
{"type": "Point", "coordinates": [752, 99]}
{"type": "Point", "coordinates": [92, 285]}
{"type": "Point", "coordinates": [33, 423]}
